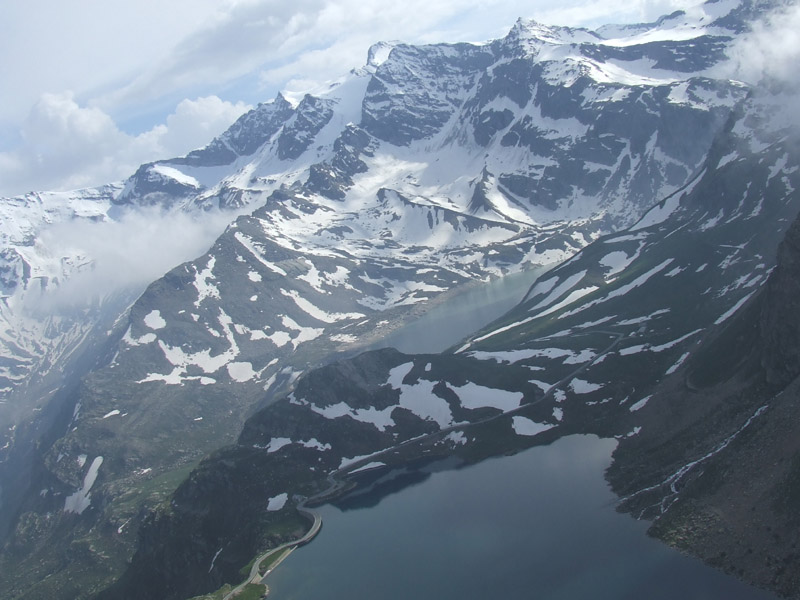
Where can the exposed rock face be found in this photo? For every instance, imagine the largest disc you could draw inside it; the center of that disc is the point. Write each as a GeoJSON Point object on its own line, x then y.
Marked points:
{"type": "Point", "coordinates": [727, 448]}
{"type": "Point", "coordinates": [779, 321]}
{"type": "Point", "coordinates": [738, 509]}
{"type": "Point", "coordinates": [244, 137]}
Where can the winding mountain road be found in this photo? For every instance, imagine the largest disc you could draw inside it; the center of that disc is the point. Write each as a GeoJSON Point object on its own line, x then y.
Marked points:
{"type": "Point", "coordinates": [254, 575]}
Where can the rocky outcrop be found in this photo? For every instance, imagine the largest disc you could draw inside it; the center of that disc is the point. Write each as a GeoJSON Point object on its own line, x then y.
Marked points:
{"type": "Point", "coordinates": [779, 321]}
{"type": "Point", "coordinates": [727, 449]}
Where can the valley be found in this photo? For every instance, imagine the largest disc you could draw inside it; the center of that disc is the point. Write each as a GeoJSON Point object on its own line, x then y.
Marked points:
{"type": "Point", "coordinates": [627, 202]}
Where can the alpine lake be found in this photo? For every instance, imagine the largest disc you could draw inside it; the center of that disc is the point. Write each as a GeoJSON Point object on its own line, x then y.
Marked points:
{"type": "Point", "coordinates": [540, 524]}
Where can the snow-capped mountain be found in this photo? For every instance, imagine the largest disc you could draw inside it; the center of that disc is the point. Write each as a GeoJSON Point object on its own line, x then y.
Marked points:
{"type": "Point", "coordinates": [603, 344]}
{"type": "Point", "coordinates": [41, 345]}
{"type": "Point", "coordinates": [353, 207]}
{"type": "Point", "coordinates": [542, 140]}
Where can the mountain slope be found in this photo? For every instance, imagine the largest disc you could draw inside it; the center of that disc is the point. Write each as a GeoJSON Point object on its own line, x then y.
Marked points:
{"type": "Point", "coordinates": [601, 344]}
{"type": "Point", "coordinates": [734, 506]}
{"type": "Point", "coordinates": [430, 167]}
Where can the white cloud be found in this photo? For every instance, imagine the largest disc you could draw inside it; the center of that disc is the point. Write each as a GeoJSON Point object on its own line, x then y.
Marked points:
{"type": "Point", "coordinates": [318, 39]}
{"type": "Point", "coordinates": [67, 146]}
{"type": "Point", "coordinates": [123, 60]}
{"type": "Point", "coordinates": [85, 45]}
{"type": "Point", "coordinates": [61, 142]}
{"type": "Point", "coordinates": [193, 124]}
{"type": "Point", "coordinates": [128, 252]}
{"type": "Point", "coordinates": [771, 51]}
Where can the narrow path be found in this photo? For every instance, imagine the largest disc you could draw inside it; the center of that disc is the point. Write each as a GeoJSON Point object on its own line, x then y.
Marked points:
{"type": "Point", "coordinates": [316, 525]}
{"type": "Point", "coordinates": [254, 576]}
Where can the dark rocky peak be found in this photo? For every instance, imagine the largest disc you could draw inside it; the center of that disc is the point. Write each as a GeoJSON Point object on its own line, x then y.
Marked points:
{"type": "Point", "coordinates": [480, 201]}
{"type": "Point", "coordinates": [528, 36]}
{"type": "Point", "coordinates": [310, 116]}
{"type": "Point", "coordinates": [165, 182]}
{"type": "Point", "coordinates": [481, 205]}
{"type": "Point", "coordinates": [333, 177]}
{"type": "Point", "coordinates": [399, 207]}
{"type": "Point", "coordinates": [595, 137]}
{"type": "Point", "coordinates": [250, 131]}
{"type": "Point", "coordinates": [754, 157]}
{"type": "Point", "coordinates": [158, 183]}
{"type": "Point", "coordinates": [416, 90]}
{"type": "Point", "coordinates": [289, 203]}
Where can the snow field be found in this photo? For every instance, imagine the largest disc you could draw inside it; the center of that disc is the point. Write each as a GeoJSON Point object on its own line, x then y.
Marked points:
{"type": "Point", "coordinates": [526, 427]}
{"type": "Point", "coordinates": [81, 499]}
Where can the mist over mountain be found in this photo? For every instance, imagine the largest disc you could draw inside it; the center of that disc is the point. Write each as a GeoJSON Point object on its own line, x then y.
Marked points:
{"type": "Point", "coordinates": [181, 346]}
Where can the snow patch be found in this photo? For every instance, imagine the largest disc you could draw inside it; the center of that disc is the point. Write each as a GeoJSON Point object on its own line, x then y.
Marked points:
{"type": "Point", "coordinates": [145, 339]}
{"type": "Point", "coordinates": [475, 396]}
{"type": "Point", "coordinates": [241, 371]}
{"type": "Point", "coordinates": [581, 386]}
{"type": "Point", "coordinates": [420, 400]}
{"type": "Point", "coordinates": [560, 290]}
{"type": "Point", "coordinates": [277, 502]}
{"type": "Point", "coordinates": [316, 312]}
{"type": "Point", "coordinates": [677, 364]}
{"type": "Point", "coordinates": [368, 467]}
{"type": "Point", "coordinates": [729, 313]}
{"type": "Point", "coordinates": [457, 437]}
{"type": "Point", "coordinates": [213, 560]}
{"type": "Point", "coordinates": [526, 427]}
{"type": "Point", "coordinates": [251, 247]}
{"type": "Point", "coordinates": [203, 284]}
{"type": "Point", "coordinates": [381, 419]}
{"type": "Point", "coordinates": [640, 404]}
{"type": "Point", "coordinates": [624, 289]}
{"type": "Point", "coordinates": [314, 444]}
{"type": "Point", "coordinates": [658, 214]}
{"type": "Point", "coordinates": [276, 444]}
{"type": "Point", "coordinates": [81, 499]}
{"type": "Point", "coordinates": [176, 175]}
{"type": "Point", "coordinates": [542, 385]}
{"type": "Point", "coordinates": [154, 320]}
{"type": "Point", "coordinates": [573, 297]}
{"type": "Point", "coordinates": [346, 462]}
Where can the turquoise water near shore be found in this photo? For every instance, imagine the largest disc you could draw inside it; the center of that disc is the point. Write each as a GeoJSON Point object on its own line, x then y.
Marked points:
{"type": "Point", "coordinates": [540, 524]}
{"type": "Point", "coordinates": [450, 321]}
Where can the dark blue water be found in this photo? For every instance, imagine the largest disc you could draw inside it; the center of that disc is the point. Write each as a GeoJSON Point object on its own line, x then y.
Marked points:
{"type": "Point", "coordinates": [537, 525]}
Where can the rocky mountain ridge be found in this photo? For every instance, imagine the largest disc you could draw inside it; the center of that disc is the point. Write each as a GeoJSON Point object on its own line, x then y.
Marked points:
{"type": "Point", "coordinates": [430, 167]}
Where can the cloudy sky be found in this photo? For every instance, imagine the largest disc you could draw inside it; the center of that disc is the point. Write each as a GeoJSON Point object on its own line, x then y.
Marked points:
{"type": "Point", "coordinates": [93, 88]}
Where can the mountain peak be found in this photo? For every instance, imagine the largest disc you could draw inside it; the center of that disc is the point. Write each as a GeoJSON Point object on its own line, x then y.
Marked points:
{"type": "Point", "coordinates": [379, 53]}
{"type": "Point", "coordinates": [530, 30]}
